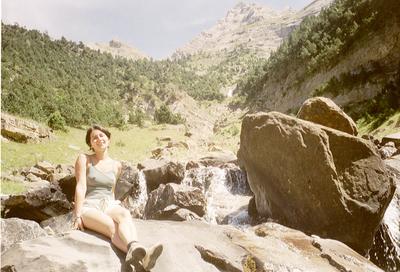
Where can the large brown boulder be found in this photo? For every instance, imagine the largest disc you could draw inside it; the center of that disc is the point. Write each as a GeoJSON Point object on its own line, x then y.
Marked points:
{"type": "Point", "coordinates": [323, 111]}
{"type": "Point", "coordinates": [190, 246]}
{"type": "Point", "coordinates": [23, 131]}
{"type": "Point", "coordinates": [182, 196]}
{"type": "Point", "coordinates": [315, 179]}
{"type": "Point", "coordinates": [162, 171]}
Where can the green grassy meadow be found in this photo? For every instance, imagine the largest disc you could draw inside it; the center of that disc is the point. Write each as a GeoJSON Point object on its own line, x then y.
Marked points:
{"type": "Point", "coordinates": [133, 144]}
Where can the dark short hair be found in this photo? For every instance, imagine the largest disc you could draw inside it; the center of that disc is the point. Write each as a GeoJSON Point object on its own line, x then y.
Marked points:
{"type": "Point", "coordinates": [93, 127]}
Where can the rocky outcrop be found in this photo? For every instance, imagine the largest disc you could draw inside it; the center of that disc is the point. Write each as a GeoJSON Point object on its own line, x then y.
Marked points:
{"type": "Point", "coordinates": [189, 245]}
{"type": "Point", "coordinates": [250, 26]}
{"type": "Point", "coordinates": [23, 131]}
{"type": "Point", "coordinates": [323, 111]}
{"type": "Point", "coordinates": [37, 204]}
{"type": "Point", "coordinates": [159, 172]}
{"type": "Point", "coordinates": [167, 199]}
{"type": "Point", "coordinates": [118, 48]}
{"type": "Point", "coordinates": [315, 179]}
{"type": "Point", "coordinates": [15, 230]}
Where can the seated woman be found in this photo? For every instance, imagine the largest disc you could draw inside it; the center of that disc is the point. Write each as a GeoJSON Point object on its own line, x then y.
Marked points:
{"type": "Point", "coordinates": [95, 206]}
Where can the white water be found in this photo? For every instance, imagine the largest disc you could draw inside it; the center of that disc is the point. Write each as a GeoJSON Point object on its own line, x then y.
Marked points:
{"type": "Point", "coordinates": [226, 199]}
{"type": "Point", "coordinates": [137, 205]}
{"type": "Point", "coordinates": [142, 199]}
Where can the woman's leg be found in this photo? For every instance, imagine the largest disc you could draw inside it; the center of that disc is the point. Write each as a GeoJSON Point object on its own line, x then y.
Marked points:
{"type": "Point", "coordinates": [102, 223]}
{"type": "Point", "coordinates": [125, 231]}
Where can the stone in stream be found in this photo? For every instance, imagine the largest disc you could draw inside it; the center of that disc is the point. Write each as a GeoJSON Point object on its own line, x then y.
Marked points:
{"type": "Point", "coordinates": [182, 196]}
{"type": "Point", "coordinates": [316, 179]}
{"type": "Point", "coordinates": [162, 171]}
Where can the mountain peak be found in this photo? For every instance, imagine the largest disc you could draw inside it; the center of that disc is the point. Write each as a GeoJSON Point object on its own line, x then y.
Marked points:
{"type": "Point", "coordinates": [251, 26]}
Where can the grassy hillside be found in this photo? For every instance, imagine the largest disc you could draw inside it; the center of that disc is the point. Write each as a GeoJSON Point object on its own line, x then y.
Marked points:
{"type": "Point", "coordinates": [41, 76]}
{"type": "Point", "coordinates": [134, 145]}
{"type": "Point", "coordinates": [350, 53]}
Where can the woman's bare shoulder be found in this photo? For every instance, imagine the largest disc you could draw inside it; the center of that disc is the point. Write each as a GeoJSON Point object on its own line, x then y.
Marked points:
{"type": "Point", "coordinates": [118, 164]}
{"type": "Point", "coordinates": [83, 158]}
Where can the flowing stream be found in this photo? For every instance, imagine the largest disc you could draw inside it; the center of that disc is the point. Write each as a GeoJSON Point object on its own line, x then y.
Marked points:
{"type": "Point", "coordinates": [226, 191]}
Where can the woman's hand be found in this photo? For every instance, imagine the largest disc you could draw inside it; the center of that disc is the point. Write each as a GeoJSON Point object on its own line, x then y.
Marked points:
{"type": "Point", "coordinates": [78, 223]}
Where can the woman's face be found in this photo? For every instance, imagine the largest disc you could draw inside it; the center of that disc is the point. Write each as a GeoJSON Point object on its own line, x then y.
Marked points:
{"type": "Point", "coordinates": [99, 140]}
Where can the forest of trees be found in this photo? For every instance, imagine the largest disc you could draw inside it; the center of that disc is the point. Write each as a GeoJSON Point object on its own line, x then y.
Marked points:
{"type": "Point", "coordinates": [42, 77]}
{"type": "Point", "coordinates": [320, 42]}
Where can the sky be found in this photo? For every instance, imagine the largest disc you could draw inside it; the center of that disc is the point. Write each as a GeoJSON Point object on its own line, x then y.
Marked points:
{"type": "Point", "coordinates": [155, 27]}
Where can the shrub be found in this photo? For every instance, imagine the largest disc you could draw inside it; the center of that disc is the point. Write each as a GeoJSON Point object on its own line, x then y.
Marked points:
{"type": "Point", "coordinates": [57, 122]}
{"type": "Point", "coordinates": [163, 115]}
{"type": "Point", "coordinates": [137, 117]}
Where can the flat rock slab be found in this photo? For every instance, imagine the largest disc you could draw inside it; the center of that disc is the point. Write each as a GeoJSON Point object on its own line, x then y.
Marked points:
{"type": "Point", "coordinates": [190, 246]}
{"type": "Point", "coordinates": [395, 138]}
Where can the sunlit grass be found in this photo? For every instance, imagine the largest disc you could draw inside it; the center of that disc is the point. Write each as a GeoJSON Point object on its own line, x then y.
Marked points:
{"type": "Point", "coordinates": [390, 126]}
{"type": "Point", "coordinates": [10, 187]}
{"type": "Point", "coordinates": [133, 144]}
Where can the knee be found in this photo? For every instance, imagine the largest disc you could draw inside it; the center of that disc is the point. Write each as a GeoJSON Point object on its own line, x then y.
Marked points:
{"type": "Point", "coordinates": [111, 229]}
{"type": "Point", "coordinates": [122, 215]}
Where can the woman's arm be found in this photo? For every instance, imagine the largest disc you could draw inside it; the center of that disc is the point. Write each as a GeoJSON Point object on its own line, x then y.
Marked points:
{"type": "Point", "coordinates": [80, 190]}
{"type": "Point", "coordinates": [118, 170]}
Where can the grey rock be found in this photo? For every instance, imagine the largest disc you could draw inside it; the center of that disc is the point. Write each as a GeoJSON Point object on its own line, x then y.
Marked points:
{"type": "Point", "coordinates": [37, 204]}
{"type": "Point", "coordinates": [395, 138]}
{"type": "Point", "coordinates": [182, 196]}
{"type": "Point", "coordinates": [388, 150]}
{"type": "Point", "coordinates": [163, 171]}
{"type": "Point", "coordinates": [15, 230]}
{"type": "Point", "coordinates": [197, 245]}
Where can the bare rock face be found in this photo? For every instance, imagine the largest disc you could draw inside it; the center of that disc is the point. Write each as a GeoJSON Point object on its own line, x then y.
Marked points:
{"type": "Point", "coordinates": [189, 245]}
{"type": "Point", "coordinates": [15, 230]}
{"type": "Point", "coordinates": [159, 172]}
{"type": "Point", "coordinates": [315, 179]}
{"type": "Point", "coordinates": [118, 48]}
{"type": "Point", "coordinates": [23, 131]}
{"type": "Point", "coordinates": [251, 26]}
{"type": "Point", "coordinates": [323, 111]}
{"type": "Point", "coordinates": [182, 196]}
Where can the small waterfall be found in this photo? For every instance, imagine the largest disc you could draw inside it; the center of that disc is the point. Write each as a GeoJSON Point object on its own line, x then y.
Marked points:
{"type": "Point", "coordinates": [137, 204]}
{"type": "Point", "coordinates": [226, 191]}
{"type": "Point", "coordinates": [142, 199]}
{"type": "Point", "coordinates": [385, 251]}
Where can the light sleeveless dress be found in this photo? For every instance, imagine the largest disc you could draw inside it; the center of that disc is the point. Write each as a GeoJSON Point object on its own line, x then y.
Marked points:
{"type": "Point", "coordinates": [99, 190]}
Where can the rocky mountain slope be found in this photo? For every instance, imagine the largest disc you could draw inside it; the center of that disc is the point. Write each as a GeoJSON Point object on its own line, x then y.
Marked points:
{"type": "Point", "coordinates": [250, 26]}
{"type": "Point", "coordinates": [349, 53]}
{"type": "Point", "coordinates": [118, 48]}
